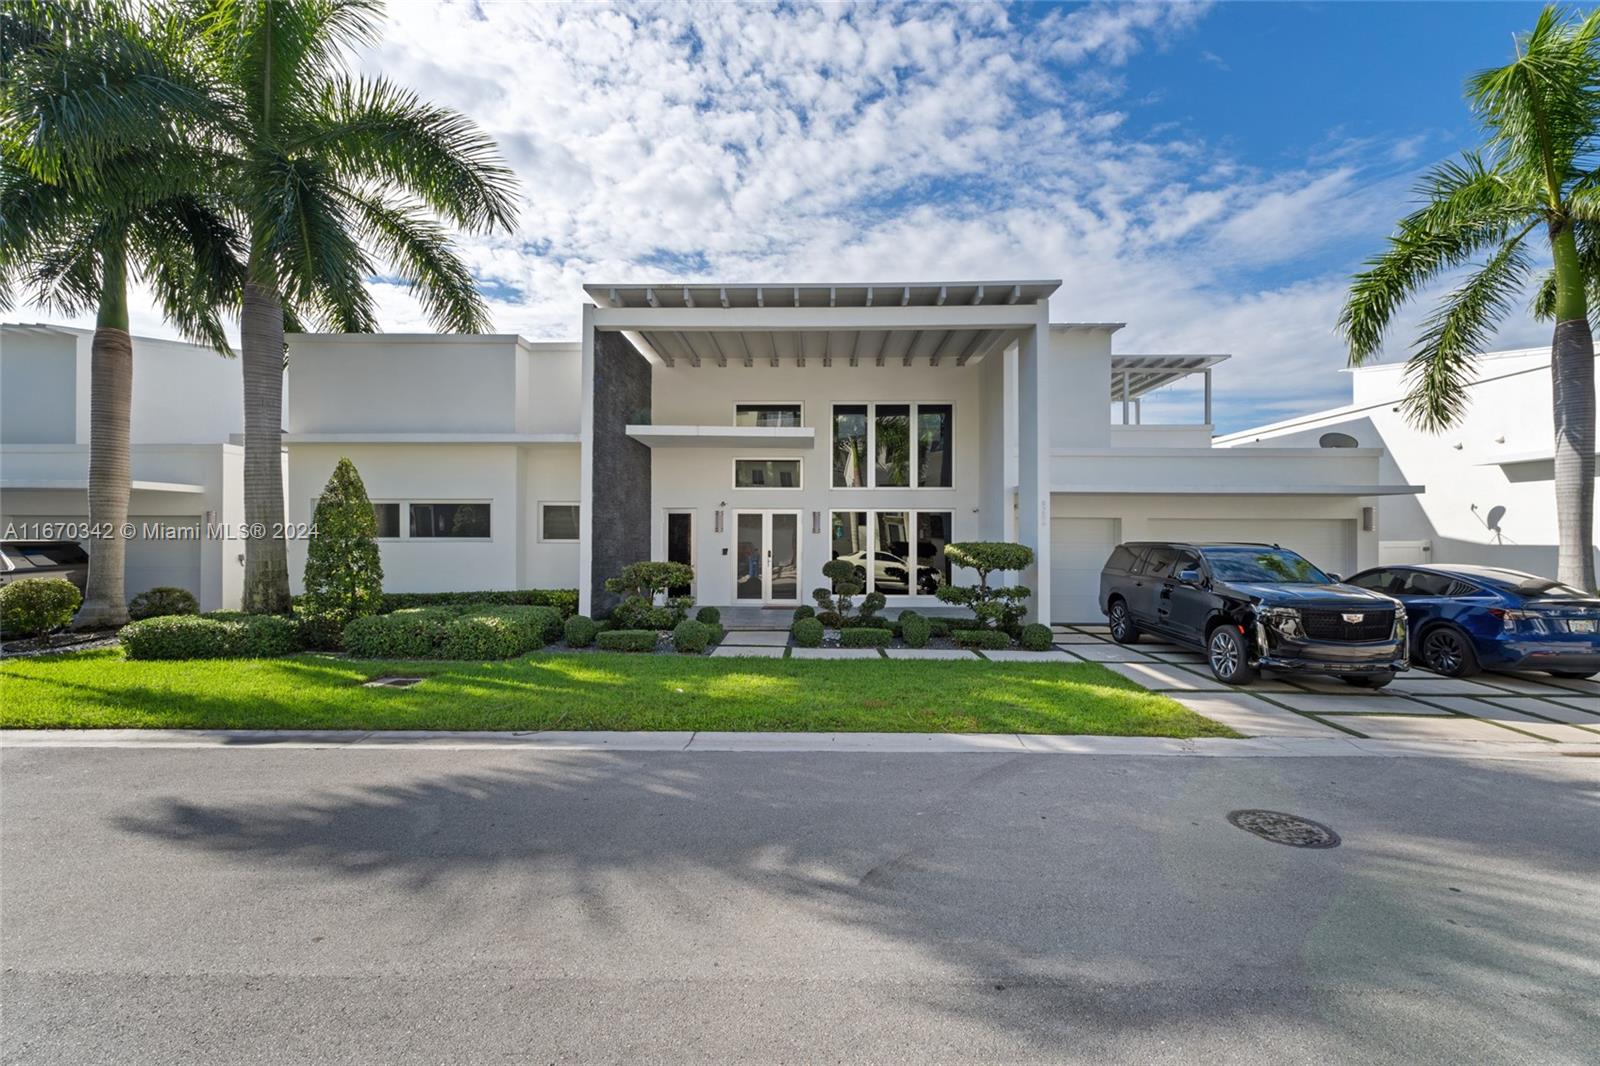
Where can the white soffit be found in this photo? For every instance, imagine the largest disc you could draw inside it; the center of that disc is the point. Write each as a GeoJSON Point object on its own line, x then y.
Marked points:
{"type": "Point", "coordinates": [788, 437]}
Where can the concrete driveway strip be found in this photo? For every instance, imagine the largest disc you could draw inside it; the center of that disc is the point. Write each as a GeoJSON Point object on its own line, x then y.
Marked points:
{"type": "Point", "coordinates": [402, 904]}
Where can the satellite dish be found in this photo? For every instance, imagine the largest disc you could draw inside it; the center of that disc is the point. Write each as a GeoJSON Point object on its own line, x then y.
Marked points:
{"type": "Point", "coordinates": [1495, 514]}
{"type": "Point", "coordinates": [1337, 440]}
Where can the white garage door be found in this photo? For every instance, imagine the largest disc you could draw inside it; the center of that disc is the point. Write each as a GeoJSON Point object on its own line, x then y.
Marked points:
{"type": "Point", "coordinates": [153, 562]}
{"type": "Point", "coordinates": [1079, 547]}
{"type": "Point", "coordinates": [1328, 542]}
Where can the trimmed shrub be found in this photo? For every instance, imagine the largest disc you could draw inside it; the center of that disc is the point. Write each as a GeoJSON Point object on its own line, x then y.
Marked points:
{"type": "Point", "coordinates": [806, 632]}
{"type": "Point", "coordinates": [626, 640]}
{"type": "Point", "coordinates": [318, 632]}
{"type": "Point", "coordinates": [649, 577]}
{"type": "Point", "coordinates": [914, 629]}
{"type": "Point", "coordinates": [805, 610]}
{"type": "Point", "coordinates": [831, 619]}
{"type": "Point", "coordinates": [407, 634]}
{"type": "Point", "coordinates": [718, 631]}
{"type": "Point", "coordinates": [1035, 637]}
{"type": "Point", "coordinates": [37, 606]}
{"type": "Point", "coordinates": [344, 575]}
{"type": "Point", "coordinates": [863, 637]}
{"type": "Point", "coordinates": [224, 635]}
{"type": "Point", "coordinates": [161, 601]}
{"type": "Point", "coordinates": [636, 612]}
{"type": "Point", "coordinates": [484, 636]}
{"type": "Point", "coordinates": [580, 631]}
{"type": "Point", "coordinates": [565, 601]}
{"type": "Point", "coordinates": [691, 637]}
{"type": "Point", "coordinates": [708, 616]}
{"type": "Point", "coordinates": [981, 638]}
{"type": "Point", "coordinates": [994, 606]}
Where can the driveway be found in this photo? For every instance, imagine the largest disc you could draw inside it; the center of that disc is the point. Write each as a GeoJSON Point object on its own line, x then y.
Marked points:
{"type": "Point", "coordinates": [390, 904]}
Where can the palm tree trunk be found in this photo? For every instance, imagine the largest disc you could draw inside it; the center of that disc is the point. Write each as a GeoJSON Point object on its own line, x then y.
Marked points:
{"type": "Point", "coordinates": [266, 557]}
{"type": "Point", "coordinates": [105, 601]}
{"type": "Point", "coordinates": [1572, 403]}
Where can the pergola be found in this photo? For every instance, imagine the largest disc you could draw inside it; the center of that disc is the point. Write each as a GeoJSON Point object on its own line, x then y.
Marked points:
{"type": "Point", "coordinates": [1135, 376]}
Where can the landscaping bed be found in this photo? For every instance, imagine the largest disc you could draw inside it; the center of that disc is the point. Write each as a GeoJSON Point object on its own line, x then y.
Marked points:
{"type": "Point", "coordinates": [601, 690]}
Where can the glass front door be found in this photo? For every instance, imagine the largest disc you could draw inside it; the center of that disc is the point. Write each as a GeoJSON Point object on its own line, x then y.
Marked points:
{"type": "Point", "coordinates": [766, 556]}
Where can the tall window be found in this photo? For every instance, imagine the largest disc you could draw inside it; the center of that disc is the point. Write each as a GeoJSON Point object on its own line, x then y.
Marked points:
{"type": "Point", "coordinates": [910, 445]}
{"type": "Point", "coordinates": [850, 542]}
{"type": "Point", "coordinates": [766, 414]}
{"type": "Point", "coordinates": [849, 446]}
{"type": "Point", "coordinates": [933, 533]}
{"type": "Point", "coordinates": [897, 553]}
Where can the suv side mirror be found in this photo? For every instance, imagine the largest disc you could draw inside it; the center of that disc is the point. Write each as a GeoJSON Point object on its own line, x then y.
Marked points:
{"type": "Point", "coordinates": [1189, 576]}
{"type": "Point", "coordinates": [1336, 579]}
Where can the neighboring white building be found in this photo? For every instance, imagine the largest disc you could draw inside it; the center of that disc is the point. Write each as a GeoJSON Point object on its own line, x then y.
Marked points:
{"type": "Point", "coordinates": [187, 476]}
{"type": "Point", "coordinates": [759, 431]}
{"type": "Point", "coordinates": [1490, 495]}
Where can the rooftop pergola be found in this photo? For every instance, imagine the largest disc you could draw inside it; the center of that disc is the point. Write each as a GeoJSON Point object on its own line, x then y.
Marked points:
{"type": "Point", "coordinates": [1135, 376]}
{"type": "Point", "coordinates": [930, 324]}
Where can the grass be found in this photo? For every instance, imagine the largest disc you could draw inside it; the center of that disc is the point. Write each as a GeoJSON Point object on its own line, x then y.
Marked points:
{"type": "Point", "coordinates": [101, 689]}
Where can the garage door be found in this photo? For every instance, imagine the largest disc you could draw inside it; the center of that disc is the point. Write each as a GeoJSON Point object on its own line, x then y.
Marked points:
{"type": "Point", "coordinates": [1079, 547]}
{"type": "Point", "coordinates": [1328, 542]}
{"type": "Point", "coordinates": [153, 561]}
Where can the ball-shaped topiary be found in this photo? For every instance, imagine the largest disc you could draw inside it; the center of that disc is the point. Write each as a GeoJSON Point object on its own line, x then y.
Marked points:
{"type": "Point", "coordinates": [579, 631]}
{"type": "Point", "coordinates": [1035, 637]}
{"type": "Point", "coordinates": [37, 606]}
{"type": "Point", "coordinates": [161, 601]}
{"type": "Point", "coordinates": [807, 633]}
{"type": "Point", "coordinates": [691, 637]}
{"type": "Point", "coordinates": [708, 616]}
{"type": "Point", "coordinates": [805, 610]}
{"type": "Point", "coordinates": [914, 629]}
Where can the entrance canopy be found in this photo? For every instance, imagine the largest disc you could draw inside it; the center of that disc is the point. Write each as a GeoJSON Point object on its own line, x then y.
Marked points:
{"type": "Point", "coordinates": [928, 323]}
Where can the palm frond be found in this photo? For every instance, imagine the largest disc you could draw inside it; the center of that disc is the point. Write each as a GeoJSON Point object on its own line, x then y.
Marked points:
{"type": "Point", "coordinates": [193, 258]}
{"type": "Point", "coordinates": [304, 228]}
{"type": "Point", "coordinates": [420, 249]}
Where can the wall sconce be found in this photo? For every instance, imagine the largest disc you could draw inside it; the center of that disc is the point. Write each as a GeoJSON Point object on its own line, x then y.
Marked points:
{"type": "Point", "coordinates": [719, 521]}
{"type": "Point", "coordinates": [816, 521]}
{"type": "Point", "coordinates": [1368, 519]}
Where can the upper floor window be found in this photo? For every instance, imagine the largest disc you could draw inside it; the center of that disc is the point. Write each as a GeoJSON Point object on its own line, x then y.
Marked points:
{"type": "Point", "coordinates": [766, 414]}
{"type": "Point", "coordinates": [909, 445]}
{"type": "Point", "coordinates": [766, 473]}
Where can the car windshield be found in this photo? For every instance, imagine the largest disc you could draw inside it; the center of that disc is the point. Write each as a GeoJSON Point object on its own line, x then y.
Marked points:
{"type": "Point", "coordinates": [1266, 565]}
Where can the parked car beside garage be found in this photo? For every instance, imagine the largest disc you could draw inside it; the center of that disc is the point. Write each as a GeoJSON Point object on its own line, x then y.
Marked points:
{"type": "Point", "coordinates": [1470, 618]}
{"type": "Point", "coordinates": [1251, 607]}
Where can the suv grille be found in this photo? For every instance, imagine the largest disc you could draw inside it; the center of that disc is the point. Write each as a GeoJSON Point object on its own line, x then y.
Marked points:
{"type": "Point", "coordinates": [1329, 624]}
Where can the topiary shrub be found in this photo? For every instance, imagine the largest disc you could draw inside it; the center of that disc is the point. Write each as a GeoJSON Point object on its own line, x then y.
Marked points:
{"type": "Point", "coordinates": [1035, 637]}
{"type": "Point", "coordinates": [37, 606]}
{"type": "Point", "coordinates": [691, 637]}
{"type": "Point", "coordinates": [995, 607]}
{"type": "Point", "coordinates": [648, 579]}
{"type": "Point", "coordinates": [162, 600]}
{"type": "Point", "coordinates": [636, 612]}
{"type": "Point", "coordinates": [224, 635]}
{"type": "Point", "coordinates": [914, 629]}
{"type": "Point", "coordinates": [718, 631]}
{"type": "Point", "coordinates": [806, 632]}
{"type": "Point", "coordinates": [804, 611]}
{"type": "Point", "coordinates": [835, 600]}
{"type": "Point", "coordinates": [483, 636]}
{"type": "Point", "coordinates": [407, 634]}
{"type": "Point", "coordinates": [708, 616]}
{"type": "Point", "coordinates": [871, 604]}
{"type": "Point", "coordinates": [864, 637]}
{"type": "Point", "coordinates": [580, 631]}
{"type": "Point", "coordinates": [626, 640]}
{"type": "Point", "coordinates": [344, 574]}
{"type": "Point", "coordinates": [831, 619]}
{"type": "Point", "coordinates": [981, 638]}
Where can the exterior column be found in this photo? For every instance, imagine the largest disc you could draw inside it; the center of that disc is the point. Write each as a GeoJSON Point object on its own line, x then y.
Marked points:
{"type": "Point", "coordinates": [1208, 396]}
{"type": "Point", "coordinates": [586, 464]}
{"type": "Point", "coordinates": [1124, 397]}
{"type": "Point", "coordinates": [1033, 455]}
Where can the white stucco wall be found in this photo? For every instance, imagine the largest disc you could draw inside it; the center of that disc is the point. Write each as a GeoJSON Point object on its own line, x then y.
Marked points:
{"type": "Point", "coordinates": [38, 386]}
{"type": "Point", "coordinates": [1078, 380]}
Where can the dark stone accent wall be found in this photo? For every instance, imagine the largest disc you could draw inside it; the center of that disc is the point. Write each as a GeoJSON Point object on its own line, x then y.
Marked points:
{"type": "Point", "coordinates": [621, 520]}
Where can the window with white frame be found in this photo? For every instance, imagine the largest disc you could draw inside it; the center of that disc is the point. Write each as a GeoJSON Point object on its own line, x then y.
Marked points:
{"type": "Point", "coordinates": [766, 473]}
{"type": "Point", "coordinates": [893, 445]}
{"type": "Point", "coordinates": [894, 552]}
{"type": "Point", "coordinates": [558, 521]}
{"type": "Point", "coordinates": [766, 414]}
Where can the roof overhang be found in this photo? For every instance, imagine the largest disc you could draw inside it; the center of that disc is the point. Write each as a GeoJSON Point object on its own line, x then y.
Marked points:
{"type": "Point", "coordinates": [940, 323]}
{"type": "Point", "coordinates": [789, 437]}
{"type": "Point", "coordinates": [1147, 373]}
{"type": "Point", "coordinates": [1187, 489]}
{"type": "Point", "coordinates": [11, 484]}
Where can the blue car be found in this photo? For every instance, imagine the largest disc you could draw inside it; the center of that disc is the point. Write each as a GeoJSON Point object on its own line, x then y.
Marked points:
{"type": "Point", "coordinates": [1469, 618]}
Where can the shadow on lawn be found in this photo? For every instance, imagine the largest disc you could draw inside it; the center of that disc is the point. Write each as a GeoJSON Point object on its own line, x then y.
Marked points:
{"type": "Point", "coordinates": [1064, 901]}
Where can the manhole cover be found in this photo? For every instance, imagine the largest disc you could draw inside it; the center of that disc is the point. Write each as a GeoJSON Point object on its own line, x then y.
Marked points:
{"type": "Point", "coordinates": [391, 682]}
{"type": "Point", "coordinates": [1287, 829]}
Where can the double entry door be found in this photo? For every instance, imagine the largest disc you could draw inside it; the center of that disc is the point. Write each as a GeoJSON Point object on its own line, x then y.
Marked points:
{"type": "Point", "coordinates": [766, 550]}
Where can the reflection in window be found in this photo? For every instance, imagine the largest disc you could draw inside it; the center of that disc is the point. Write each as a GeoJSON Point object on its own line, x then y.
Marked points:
{"type": "Point", "coordinates": [766, 473]}
{"type": "Point", "coordinates": [891, 464]}
{"type": "Point", "coordinates": [450, 520]}
{"type": "Point", "coordinates": [766, 414]}
{"type": "Point", "coordinates": [388, 518]}
{"type": "Point", "coordinates": [933, 533]}
{"type": "Point", "coordinates": [849, 446]}
{"type": "Point", "coordinates": [560, 521]}
{"type": "Point", "coordinates": [933, 445]}
{"type": "Point", "coordinates": [891, 574]}
{"type": "Point", "coordinates": [849, 531]}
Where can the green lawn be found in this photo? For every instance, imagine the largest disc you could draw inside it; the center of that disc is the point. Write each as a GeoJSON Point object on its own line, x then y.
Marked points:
{"type": "Point", "coordinates": [592, 691]}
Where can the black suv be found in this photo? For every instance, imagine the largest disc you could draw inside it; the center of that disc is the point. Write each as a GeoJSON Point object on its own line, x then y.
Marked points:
{"type": "Point", "coordinates": [1250, 606]}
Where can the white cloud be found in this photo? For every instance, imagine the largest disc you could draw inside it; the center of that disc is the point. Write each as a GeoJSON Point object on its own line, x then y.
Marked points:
{"type": "Point", "coordinates": [883, 142]}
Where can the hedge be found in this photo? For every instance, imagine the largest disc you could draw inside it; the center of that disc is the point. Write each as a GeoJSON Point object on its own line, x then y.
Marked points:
{"type": "Point", "coordinates": [563, 600]}
{"type": "Point", "coordinates": [981, 638]}
{"type": "Point", "coordinates": [1035, 637]}
{"type": "Point", "coordinates": [626, 640]}
{"type": "Point", "coordinates": [485, 637]}
{"type": "Point", "coordinates": [864, 637]}
{"type": "Point", "coordinates": [162, 600]}
{"type": "Point", "coordinates": [807, 632]}
{"type": "Point", "coordinates": [319, 632]}
{"type": "Point", "coordinates": [691, 637]}
{"type": "Point", "coordinates": [580, 631]}
{"type": "Point", "coordinates": [452, 632]}
{"type": "Point", "coordinates": [37, 605]}
{"type": "Point", "coordinates": [224, 635]}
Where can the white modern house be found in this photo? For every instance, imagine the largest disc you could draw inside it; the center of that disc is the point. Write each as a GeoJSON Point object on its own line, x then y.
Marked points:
{"type": "Point", "coordinates": [1490, 480]}
{"type": "Point", "coordinates": [758, 431]}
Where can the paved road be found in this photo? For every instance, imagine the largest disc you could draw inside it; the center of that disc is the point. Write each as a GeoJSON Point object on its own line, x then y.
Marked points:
{"type": "Point", "coordinates": [249, 905]}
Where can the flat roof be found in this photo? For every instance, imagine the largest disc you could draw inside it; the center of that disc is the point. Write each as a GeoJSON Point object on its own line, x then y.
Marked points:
{"type": "Point", "coordinates": [818, 294]}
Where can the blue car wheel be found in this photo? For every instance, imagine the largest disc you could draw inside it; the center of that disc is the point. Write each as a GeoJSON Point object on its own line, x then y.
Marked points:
{"type": "Point", "coordinates": [1446, 651]}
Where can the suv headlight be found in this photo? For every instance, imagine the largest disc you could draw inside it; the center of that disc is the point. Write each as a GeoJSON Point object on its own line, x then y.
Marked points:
{"type": "Point", "coordinates": [1285, 620]}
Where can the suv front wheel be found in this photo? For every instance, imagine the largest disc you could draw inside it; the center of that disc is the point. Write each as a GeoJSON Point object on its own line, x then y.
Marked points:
{"type": "Point", "coordinates": [1229, 657]}
{"type": "Point", "coordinates": [1123, 631]}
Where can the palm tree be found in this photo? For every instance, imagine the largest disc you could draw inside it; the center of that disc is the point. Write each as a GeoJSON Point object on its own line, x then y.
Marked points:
{"type": "Point", "coordinates": [332, 172]}
{"type": "Point", "coordinates": [1537, 172]}
{"type": "Point", "coordinates": [101, 185]}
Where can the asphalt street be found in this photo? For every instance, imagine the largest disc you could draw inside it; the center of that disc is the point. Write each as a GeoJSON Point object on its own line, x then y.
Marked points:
{"type": "Point", "coordinates": [243, 905]}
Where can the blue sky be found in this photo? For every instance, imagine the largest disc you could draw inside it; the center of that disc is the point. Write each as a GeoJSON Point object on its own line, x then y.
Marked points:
{"type": "Point", "coordinates": [1210, 174]}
